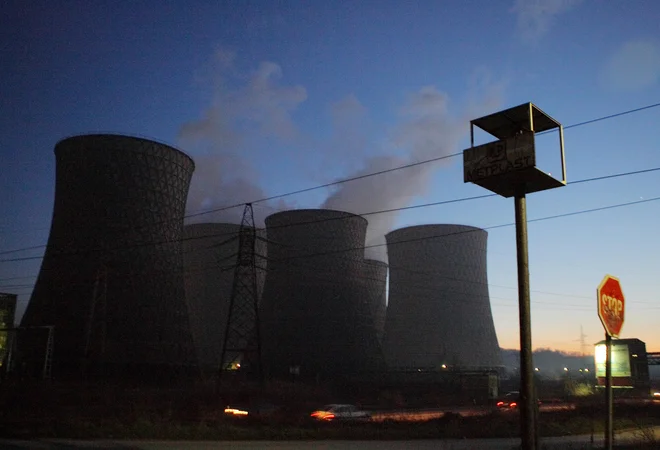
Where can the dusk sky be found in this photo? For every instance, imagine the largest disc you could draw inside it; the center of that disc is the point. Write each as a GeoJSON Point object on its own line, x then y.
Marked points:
{"type": "Point", "coordinates": [271, 97]}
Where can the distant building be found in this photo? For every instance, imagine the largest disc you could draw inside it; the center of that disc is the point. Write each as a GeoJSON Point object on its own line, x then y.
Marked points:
{"type": "Point", "coordinates": [7, 317]}
{"type": "Point", "coordinates": [630, 367]}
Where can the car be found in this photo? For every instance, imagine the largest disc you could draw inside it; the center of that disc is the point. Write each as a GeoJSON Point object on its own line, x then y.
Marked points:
{"type": "Point", "coordinates": [252, 409]}
{"type": "Point", "coordinates": [511, 401]}
{"type": "Point", "coordinates": [336, 411]}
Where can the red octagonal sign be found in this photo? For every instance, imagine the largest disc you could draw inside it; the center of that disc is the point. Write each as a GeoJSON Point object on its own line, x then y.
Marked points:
{"type": "Point", "coordinates": [611, 305]}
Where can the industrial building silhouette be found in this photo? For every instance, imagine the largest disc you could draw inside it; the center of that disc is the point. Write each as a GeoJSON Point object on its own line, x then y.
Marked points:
{"type": "Point", "coordinates": [130, 292]}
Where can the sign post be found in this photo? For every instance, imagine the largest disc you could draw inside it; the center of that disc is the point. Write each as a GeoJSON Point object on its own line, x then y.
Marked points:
{"type": "Point", "coordinates": [611, 311]}
{"type": "Point", "coordinates": [508, 167]}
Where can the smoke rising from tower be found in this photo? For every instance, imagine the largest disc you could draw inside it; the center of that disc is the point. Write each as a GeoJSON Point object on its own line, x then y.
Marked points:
{"type": "Point", "coordinates": [254, 113]}
{"type": "Point", "coordinates": [426, 130]}
{"type": "Point", "coordinates": [244, 112]}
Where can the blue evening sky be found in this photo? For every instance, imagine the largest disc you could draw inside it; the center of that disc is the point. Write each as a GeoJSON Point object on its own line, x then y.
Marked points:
{"type": "Point", "coordinates": [274, 96]}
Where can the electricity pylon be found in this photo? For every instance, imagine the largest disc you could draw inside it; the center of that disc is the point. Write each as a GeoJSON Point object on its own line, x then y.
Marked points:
{"type": "Point", "coordinates": [241, 349]}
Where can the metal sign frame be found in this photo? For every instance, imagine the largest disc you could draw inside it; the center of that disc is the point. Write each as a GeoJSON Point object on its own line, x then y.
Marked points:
{"type": "Point", "coordinates": [508, 167]}
{"type": "Point", "coordinates": [512, 157]}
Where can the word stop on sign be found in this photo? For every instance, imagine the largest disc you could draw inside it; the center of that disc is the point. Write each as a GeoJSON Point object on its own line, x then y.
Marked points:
{"type": "Point", "coordinates": [612, 305]}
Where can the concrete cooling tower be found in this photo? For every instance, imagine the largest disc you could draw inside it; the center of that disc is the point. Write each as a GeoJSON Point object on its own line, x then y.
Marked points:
{"type": "Point", "coordinates": [111, 279]}
{"type": "Point", "coordinates": [210, 253]}
{"type": "Point", "coordinates": [315, 314]}
{"type": "Point", "coordinates": [375, 280]}
{"type": "Point", "coordinates": [439, 309]}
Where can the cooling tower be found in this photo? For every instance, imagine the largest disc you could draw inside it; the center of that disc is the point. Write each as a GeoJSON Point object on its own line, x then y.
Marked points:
{"type": "Point", "coordinates": [210, 253]}
{"type": "Point", "coordinates": [375, 280]}
{"type": "Point", "coordinates": [111, 279]}
{"type": "Point", "coordinates": [315, 315]}
{"type": "Point", "coordinates": [438, 308]}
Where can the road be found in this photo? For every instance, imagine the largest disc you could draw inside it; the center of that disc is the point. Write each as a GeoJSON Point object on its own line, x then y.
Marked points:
{"type": "Point", "coordinates": [464, 411]}
{"type": "Point", "coordinates": [555, 443]}
{"type": "Point", "coordinates": [558, 443]}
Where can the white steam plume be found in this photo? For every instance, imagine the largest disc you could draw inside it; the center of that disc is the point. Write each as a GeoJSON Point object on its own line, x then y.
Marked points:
{"type": "Point", "coordinates": [427, 130]}
{"type": "Point", "coordinates": [222, 141]}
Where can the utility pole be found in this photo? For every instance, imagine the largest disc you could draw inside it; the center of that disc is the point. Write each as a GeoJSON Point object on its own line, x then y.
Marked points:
{"type": "Point", "coordinates": [507, 167]}
{"type": "Point", "coordinates": [241, 348]}
{"type": "Point", "coordinates": [583, 342]}
{"type": "Point", "coordinates": [528, 404]}
{"type": "Point", "coordinates": [583, 347]}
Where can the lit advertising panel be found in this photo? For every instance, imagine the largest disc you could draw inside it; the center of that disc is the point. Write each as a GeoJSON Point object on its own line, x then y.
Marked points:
{"type": "Point", "coordinates": [620, 360]}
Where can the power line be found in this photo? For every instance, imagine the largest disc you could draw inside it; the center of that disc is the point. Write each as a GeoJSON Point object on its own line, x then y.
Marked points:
{"type": "Point", "coordinates": [612, 116]}
{"type": "Point", "coordinates": [616, 175]}
{"type": "Point", "coordinates": [213, 246]}
{"type": "Point", "coordinates": [24, 249]}
{"type": "Point", "coordinates": [321, 186]}
{"type": "Point", "coordinates": [381, 172]}
{"type": "Point", "coordinates": [457, 200]}
{"type": "Point", "coordinates": [405, 208]}
{"type": "Point", "coordinates": [324, 276]}
{"type": "Point", "coordinates": [492, 227]}
{"type": "Point", "coordinates": [361, 248]}
{"type": "Point", "coordinates": [264, 258]}
{"type": "Point", "coordinates": [234, 236]}
{"type": "Point", "coordinates": [406, 166]}
{"type": "Point", "coordinates": [313, 279]}
{"type": "Point", "coordinates": [18, 278]}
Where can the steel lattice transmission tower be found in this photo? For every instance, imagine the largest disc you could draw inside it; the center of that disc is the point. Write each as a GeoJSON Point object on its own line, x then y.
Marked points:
{"type": "Point", "coordinates": [242, 343]}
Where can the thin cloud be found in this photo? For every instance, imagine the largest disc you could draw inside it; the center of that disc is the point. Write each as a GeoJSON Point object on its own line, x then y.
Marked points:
{"type": "Point", "coordinates": [536, 17]}
{"type": "Point", "coordinates": [634, 66]}
{"type": "Point", "coordinates": [350, 126]}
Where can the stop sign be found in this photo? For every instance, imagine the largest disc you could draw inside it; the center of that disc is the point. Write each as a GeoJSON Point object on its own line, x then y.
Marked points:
{"type": "Point", "coordinates": [611, 305]}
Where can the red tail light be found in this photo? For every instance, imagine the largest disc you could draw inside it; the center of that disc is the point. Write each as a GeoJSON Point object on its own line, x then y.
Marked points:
{"type": "Point", "coordinates": [500, 403]}
{"type": "Point", "coordinates": [513, 405]}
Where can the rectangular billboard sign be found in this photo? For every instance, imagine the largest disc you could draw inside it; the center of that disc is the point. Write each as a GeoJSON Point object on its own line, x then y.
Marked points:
{"type": "Point", "coordinates": [620, 360]}
{"type": "Point", "coordinates": [499, 157]}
